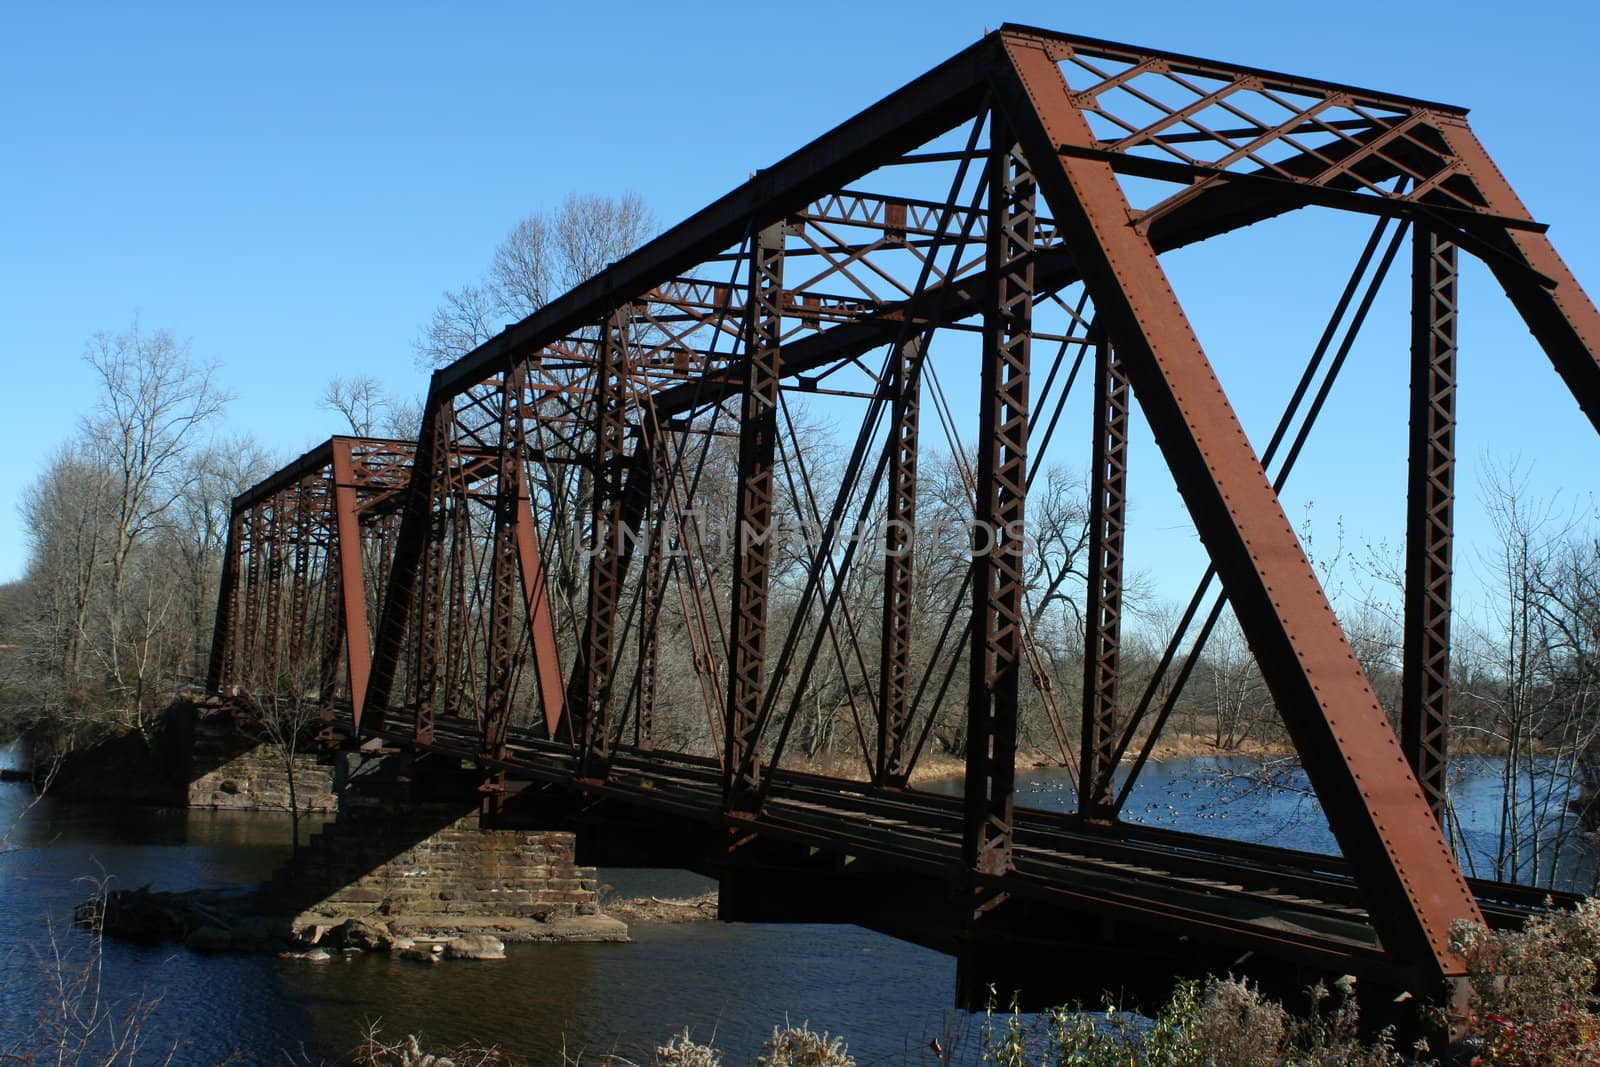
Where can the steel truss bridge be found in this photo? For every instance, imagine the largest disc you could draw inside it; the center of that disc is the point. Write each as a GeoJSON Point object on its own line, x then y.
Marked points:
{"type": "Point", "coordinates": [949, 264]}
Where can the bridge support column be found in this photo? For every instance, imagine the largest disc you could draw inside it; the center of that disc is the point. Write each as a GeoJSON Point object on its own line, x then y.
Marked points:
{"type": "Point", "coordinates": [1430, 501]}
{"type": "Point", "coordinates": [591, 701]}
{"type": "Point", "coordinates": [276, 552]}
{"type": "Point", "coordinates": [224, 664]}
{"type": "Point", "coordinates": [652, 592]}
{"type": "Point", "coordinates": [430, 667]}
{"type": "Point", "coordinates": [505, 596]}
{"type": "Point", "coordinates": [997, 621]}
{"type": "Point", "coordinates": [758, 432]}
{"type": "Point", "coordinates": [300, 530]}
{"type": "Point", "coordinates": [1103, 615]}
{"type": "Point", "coordinates": [249, 647]}
{"type": "Point", "coordinates": [900, 518]}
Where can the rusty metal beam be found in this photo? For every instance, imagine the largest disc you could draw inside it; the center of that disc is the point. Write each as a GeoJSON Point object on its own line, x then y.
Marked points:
{"type": "Point", "coordinates": [506, 601]}
{"type": "Point", "coordinates": [753, 526]}
{"type": "Point", "coordinates": [1430, 506]}
{"type": "Point", "coordinates": [610, 544]}
{"type": "Point", "coordinates": [225, 632]}
{"type": "Point", "coordinates": [541, 620]}
{"type": "Point", "coordinates": [899, 572]}
{"type": "Point", "coordinates": [901, 122]}
{"type": "Point", "coordinates": [1376, 808]}
{"type": "Point", "coordinates": [394, 621]}
{"type": "Point", "coordinates": [351, 578]}
{"type": "Point", "coordinates": [997, 580]}
{"type": "Point", "coordinates": [1558, 312]}
{"type": "Point", "coordinates": [1102, 654]}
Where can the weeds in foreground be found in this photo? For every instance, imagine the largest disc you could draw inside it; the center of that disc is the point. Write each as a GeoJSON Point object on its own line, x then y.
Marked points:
{"type": "Point", "coordinates": [789, 1046]}
{"type": "Point", "coordinates": [79, 1024]}
{"type": "Point", "coordinates": [1221, 1022]}
{"type": "Point", "coordinates": [1533, 1004]}
{"type": "Point", "coordinates": [683, 1051]}
{"type": "Point", "coordinates": [1534, 989]}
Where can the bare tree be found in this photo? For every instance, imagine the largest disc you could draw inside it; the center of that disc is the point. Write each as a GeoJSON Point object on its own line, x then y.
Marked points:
{"type": "Point", "coordinates": [155, 406]}
{"type": "Point", "coordinates": [360, 399]}
{"type": "Point", "coordinates": [67, 520]}
{"type": "Point", "coordinates": [218, 473]}
{"type": "Point", "coordinates": [544, 255]}
{"type": "Point", "coordinates": [1233, 687]}
{"type": "Point", "coordinates": [287, 700]}
{"type": "Point", "coordinates": [464, 320]}
{"type": "Point", "coordinates": [402, 420]}
{"type": "Point", "coordinates": [1527, 678]}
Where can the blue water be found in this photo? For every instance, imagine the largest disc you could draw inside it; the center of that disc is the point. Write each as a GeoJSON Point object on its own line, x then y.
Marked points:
{"type": "Point", "coordinates": [1271, 802]}
{"type": "Point", "coordinates": [734, 982]}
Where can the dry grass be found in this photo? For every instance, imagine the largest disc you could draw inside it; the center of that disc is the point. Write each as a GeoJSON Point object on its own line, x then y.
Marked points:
{"type": "Point", "coordinates": [789, 1046]}
{"type": "Point", "coordinates": [934, 767]}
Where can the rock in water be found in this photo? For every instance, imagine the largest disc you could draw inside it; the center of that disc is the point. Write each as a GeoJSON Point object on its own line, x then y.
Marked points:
{"type": "Point", "coordinates": [358, 933]}
{"type": "Point", "coordinates": [417, 955]}
{"type": "Point", "coordinates": [475, 947]}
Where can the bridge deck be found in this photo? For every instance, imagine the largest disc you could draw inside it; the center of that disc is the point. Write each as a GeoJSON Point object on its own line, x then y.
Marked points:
{"type": "Point", "coordinates": [1284, 903]}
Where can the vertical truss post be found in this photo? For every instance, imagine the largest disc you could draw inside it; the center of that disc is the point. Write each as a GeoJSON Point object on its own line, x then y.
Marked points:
{"type": "Point", "coordinates": [332, 636]}
{"type": "Point", "coordinates": [273, 607]}
{"type": "Point", "coordinates": [505, 595]}
{"type": "Point", "coordinates": [403, 562]}
{"type": "Point", "coordinates": [1430, 497]}
{"type": "Point", "coordinates": [249, 647]}
{"type": "Point", "coordinates": [350, 584]}
{"type": "Point", "coordinates": [302, 525]}
{"type": "Point", "coordinates": [224, 634]}
{"type": "Point", "coordinates": [591, 706]}
{"type": "Point", "coordinates": [992, 692]}
{"type": "Point", "coordinates": [1103, 614]}
{"type": "Point", "coordinates": [651, 593]}
{"type": "Point", "coordinates": [455, 673]}
{"type": "Point", "coordinates": [758, 430]}
{"type": "Point", "coordinates": [900, 516]}
{"type": "Point", "coordinates": [431, 668]}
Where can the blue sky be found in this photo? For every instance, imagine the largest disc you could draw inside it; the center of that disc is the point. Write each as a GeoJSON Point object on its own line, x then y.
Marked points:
{"type": "Point", "coordinates": [293, 185]}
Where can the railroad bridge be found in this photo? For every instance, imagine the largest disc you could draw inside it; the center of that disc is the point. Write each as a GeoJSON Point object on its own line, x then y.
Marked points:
{"type": "Point", "coordinates": [542, 587]}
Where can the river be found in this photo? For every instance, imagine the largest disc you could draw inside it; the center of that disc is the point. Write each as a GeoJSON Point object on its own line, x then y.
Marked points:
{"type": "Point", "coordinates": [733, 982]}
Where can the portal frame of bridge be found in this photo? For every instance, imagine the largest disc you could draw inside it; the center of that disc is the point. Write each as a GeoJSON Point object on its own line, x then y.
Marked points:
{"type": "Point", "coordinates": [616, 387]}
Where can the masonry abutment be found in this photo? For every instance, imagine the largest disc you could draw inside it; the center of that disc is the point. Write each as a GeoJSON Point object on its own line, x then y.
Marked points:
{"type": "Point", "coordinates": [427, 868]}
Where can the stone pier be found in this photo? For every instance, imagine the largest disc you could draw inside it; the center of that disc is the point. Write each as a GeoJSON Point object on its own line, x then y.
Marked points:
{"type": "Point", "coordinates": [426, 871]}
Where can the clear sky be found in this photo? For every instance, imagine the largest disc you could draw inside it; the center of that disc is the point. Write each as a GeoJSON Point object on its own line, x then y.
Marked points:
{"type": "Point", "coordinates": [293, 185]}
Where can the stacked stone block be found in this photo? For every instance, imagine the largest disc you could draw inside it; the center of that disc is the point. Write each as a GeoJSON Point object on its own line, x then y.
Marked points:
{"type": "Point", "coordinates": [428, 862]}
{"type": "Point", "coordinates": [232, 771]}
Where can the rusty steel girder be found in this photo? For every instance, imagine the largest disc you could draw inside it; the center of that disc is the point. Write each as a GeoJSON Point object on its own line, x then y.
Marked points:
{"type": "Point", "coordinates": [320, 514]}
{"type": "Point", "coordinates": [618, 414]}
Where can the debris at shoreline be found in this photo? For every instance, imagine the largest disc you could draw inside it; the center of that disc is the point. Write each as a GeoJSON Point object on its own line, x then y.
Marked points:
{"type": "Point", "coordinates": [658, 910]}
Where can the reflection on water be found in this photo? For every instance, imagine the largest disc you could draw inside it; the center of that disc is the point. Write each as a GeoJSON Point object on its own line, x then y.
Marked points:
{"type": "Point", "coordinates": [733, 981]}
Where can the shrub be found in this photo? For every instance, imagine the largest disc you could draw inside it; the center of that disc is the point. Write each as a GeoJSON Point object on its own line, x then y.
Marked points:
{"type": "Point", "coordinates": [682, 1051]}
{"type": "Point", "coordinates": [1533, 999]}
{"type": "Point", "coordinates": [791, 1047]}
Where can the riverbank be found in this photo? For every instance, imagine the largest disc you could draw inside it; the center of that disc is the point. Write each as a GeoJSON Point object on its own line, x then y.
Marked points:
{"type": "Point", "coordinates": [654, 910]}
